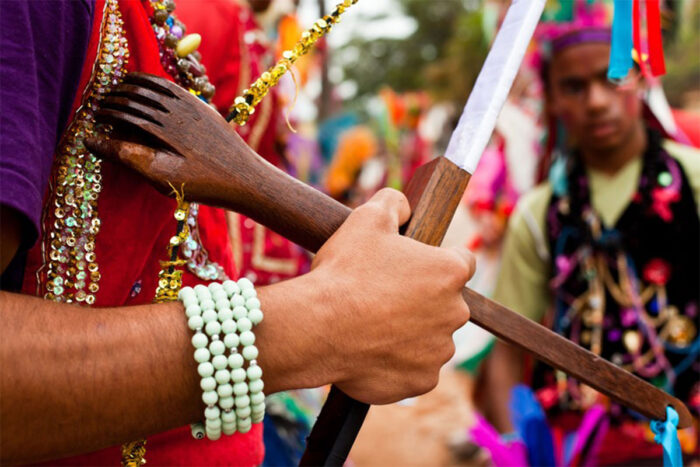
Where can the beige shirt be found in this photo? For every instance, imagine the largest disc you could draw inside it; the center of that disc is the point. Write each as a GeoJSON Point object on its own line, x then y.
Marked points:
{"type": "Point", "coordinates": [522, 283]}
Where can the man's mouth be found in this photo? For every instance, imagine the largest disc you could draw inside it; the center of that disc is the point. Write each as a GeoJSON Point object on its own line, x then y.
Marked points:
{"type": "Point", "coordinates": [602, 129]}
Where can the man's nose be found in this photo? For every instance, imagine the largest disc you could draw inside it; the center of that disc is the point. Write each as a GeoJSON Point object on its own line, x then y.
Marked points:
{"type": "Point", "coordinates": [598, 97]}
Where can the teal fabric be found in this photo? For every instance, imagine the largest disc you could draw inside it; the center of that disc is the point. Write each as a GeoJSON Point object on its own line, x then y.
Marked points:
{"type": "Point", "coordinates": [622, 42]}
{"type": "Point", "coordinates": [666, 434]}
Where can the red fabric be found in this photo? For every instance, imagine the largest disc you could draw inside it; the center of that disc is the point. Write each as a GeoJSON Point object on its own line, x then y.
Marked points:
{"type": "Point", "coordinates": [656, 48]}
{"type": "Point", "coordinates": [689, 123]}
{"type": "Point", "coordinates": [622, 444]}
{"type": "Point", "coordinates": [137, 223]}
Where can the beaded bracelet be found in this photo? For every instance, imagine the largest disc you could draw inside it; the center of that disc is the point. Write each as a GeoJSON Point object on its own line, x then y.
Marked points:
{"type": "Point", "coordinates": [231, 308]}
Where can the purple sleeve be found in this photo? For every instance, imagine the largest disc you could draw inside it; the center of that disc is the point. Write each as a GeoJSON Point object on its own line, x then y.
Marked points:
{"type": "Point", "coordinates": [42, 50]}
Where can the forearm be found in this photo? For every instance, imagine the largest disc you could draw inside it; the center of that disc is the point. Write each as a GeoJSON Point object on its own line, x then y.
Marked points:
{"type": "Point", "coordinates": [76, 380]}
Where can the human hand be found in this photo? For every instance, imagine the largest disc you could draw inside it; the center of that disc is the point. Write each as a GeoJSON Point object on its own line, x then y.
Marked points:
{"type": "Point", "coordinates": [393, 302]}
{"type": "Point", "coordinates": [171, 137]}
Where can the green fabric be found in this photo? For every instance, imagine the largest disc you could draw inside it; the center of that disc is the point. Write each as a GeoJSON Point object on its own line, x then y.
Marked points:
{"type": "Point", "coordinates": [471, 365]}
{"type": "Point", "coordinates": [522, 283]}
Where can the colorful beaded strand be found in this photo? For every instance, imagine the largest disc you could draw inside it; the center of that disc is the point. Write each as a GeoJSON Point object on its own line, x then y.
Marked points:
{"type": "Point", "coordinates": [244, 106]}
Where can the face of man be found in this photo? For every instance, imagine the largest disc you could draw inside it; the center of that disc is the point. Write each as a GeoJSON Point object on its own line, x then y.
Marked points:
{"type": "Point", "coordinates": [598, 115]}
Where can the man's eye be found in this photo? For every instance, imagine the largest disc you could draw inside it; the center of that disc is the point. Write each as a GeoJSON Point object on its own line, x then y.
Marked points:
{"type": "Point", "coordinates": [573, 87]}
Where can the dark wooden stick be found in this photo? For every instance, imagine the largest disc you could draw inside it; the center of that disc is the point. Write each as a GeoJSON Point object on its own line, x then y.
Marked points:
{"type": "Point", "coordinates": [309, 217]}
{"type": "Point", "coordinates": [431, 194]}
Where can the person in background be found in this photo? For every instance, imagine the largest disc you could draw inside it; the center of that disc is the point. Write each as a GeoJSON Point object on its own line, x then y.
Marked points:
{"type": "Point", "coordinates": [606, 254]}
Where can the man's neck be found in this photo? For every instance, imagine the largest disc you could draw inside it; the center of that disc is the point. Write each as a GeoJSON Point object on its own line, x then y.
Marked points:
{"type": "Point", "coordinates": [611, 161]}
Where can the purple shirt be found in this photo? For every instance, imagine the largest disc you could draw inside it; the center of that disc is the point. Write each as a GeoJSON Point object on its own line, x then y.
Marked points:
{"type": "Point", "coordinates": [42, 50]}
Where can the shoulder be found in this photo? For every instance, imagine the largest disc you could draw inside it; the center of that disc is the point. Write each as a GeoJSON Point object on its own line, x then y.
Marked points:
{"type": "Point", "coordinates": [534, 204]}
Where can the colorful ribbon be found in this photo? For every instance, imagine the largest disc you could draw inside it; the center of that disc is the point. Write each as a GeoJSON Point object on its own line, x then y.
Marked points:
{"type": "Point", "coordinates": [622, 43]}
{"type": "Point", "coordinates": [666, 434]}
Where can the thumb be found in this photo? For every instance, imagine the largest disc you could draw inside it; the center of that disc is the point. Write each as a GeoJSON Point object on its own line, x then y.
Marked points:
{"type": "Point", "coordinates": [392, 207]}
{"type": "Point", "coordinates": [136, 156]}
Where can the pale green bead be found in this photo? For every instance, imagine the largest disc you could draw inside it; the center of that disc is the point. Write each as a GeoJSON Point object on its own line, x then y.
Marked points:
{"type": "Point", "coordinates": [208, 384]}
{"type": "Point", "coordinates": [254, 372]}
{"type": "Point", "coordinates": [243, 325]}
{"type": "Point", "coordinates": [205, 369]}
{"type": "Point", "coordinates": [226, 402]}
{"type": "Point", "coordinates": [210, 397]}
{"type": "Point", "coordinates": [222, 376]}
{"type": "Point", "coordinates": [228, 416]}
{"type": "Point", "coordinates": [219, 295]}
{"type": "Point", "coordinates": [224, 390]}
{"type": "Point", "coordinates": [201, 355]}
{"type": "Point", "coordinates": [252, 303]}
{"type": "Point", "coordinates": [250, 352]}
{"type": "Point", "coordinates": [207, 304]}
{"type": "Point", "coordinates": [213, 434]}
{"type": "Point", "coordinates": [225, 314]}
{"type": "Point", "coordinates": [219, 362]}
{"type": "Point", "coordinates": [201, 289]}
{"type": "Point", "coordinates": [228, 428]}
{"type": "Point", "coordinates": [231, 340]}
{"type": "Point", "coordinates": [245, 284]}
{"type": "Point", "coordinates": [243, 412]}
{"type": "Point", "coordinates": [235, 360]}
{"type": "Point", "coordinates": [200, 340]}
{"type": "Point", "coordinates": [247, 338]}
{"type": "Point", "coordinates": [237, 300]}
{"type": "Point", "coordinates": [257, 418]}
{"type": "Point", "coordinates": [249, 293]}
{"type": "Point", "coordinates": [240, 312]}
{"type": "Point", "coordinates": [255, 316]}
{"type": "Point", "coordinates": [238, 375]}
{"type": "Point", "coordinates": [244, 422]}
{"type": "Point", "coordinates": [257, 398]}
{"type": "Point", "coordinates": [208, 316]}
{"type": "Point", "coordinates": [240, 389]}
{"type": "Point", "coordinates": [256, 386]}
{"type": "Point", "coordinates": [231, 287]}
{"type": "Point", "coordinates": [217, 347]}
{"type": "Point", "coordinates": [214, 286]}
{"type": "Point", "coordinates": [228, 326]}
{"type": "Point", "coordinates": [244, 428]}
{"type": "Point", "coordinates": [258, 408]}
{"type": "Point", "coordinates": [185, 292]}
{"type": "Point", "coordinates": [222, 304]}
{"type": "Point", "coordinates": [212, 327]}
{"type": "Point", "coordinates": [242, 401]}
{"type": "Point", "coordinates": [193, 310]}
{"type": "Point", "coordinates": [212, 413]}
{"type": "Point", "coordinates": [190, 301]}
{"type": "Point", "coordinates": [195, 322]}
{"type": "Point", "coordinates": [197, 430]}
{"type": "Point", "coordinates": [214, 423]}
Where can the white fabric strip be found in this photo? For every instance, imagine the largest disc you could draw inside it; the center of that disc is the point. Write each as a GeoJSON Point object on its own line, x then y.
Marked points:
{"type": "Point", "coordinates": [493, 84]}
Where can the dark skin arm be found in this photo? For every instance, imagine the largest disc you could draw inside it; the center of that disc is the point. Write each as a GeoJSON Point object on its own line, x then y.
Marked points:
{"type": "Point", "coordinates": [501, 371]}
{"type": "Point", "coordinates": [76, 380]}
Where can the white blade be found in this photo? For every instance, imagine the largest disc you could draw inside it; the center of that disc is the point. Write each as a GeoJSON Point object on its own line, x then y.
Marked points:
{"type": "Point", "coordinates": [493, 84]}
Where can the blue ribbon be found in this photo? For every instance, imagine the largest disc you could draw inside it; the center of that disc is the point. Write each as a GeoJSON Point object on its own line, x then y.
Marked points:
{"type": "Point", "coordinates": [666, 435]}
{"type": "Point", "coordinates": [622, 41]}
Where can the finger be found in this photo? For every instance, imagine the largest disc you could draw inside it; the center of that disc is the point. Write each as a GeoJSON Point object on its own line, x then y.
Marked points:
{"type": "Point", "coordinates": [161, 85]}
{"type": "Point", "coordinates": [467, 263]}
{"type": "Point", "coordinates": [142, 95]}
{"type": "Point", "coordinates": [392, 208]}
{"type": "Point", "coordinates": [133, 107]}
